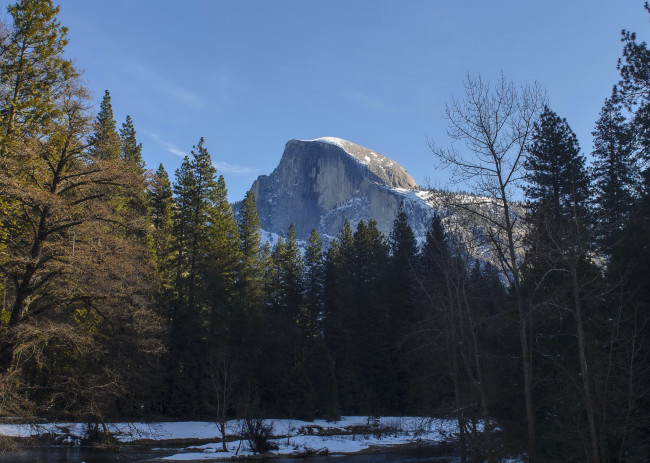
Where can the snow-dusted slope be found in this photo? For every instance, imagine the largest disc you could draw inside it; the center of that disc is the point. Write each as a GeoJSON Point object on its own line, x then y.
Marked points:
{"type": "Point", "coordinates": [475, 221]}
{"type": "Point", "coordinates": [388, 171]}
{"type": "Point", "coordinates": [322, 183]}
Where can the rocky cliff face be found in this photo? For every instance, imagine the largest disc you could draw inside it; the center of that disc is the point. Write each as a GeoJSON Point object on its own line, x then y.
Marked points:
{"type": "Point", "coordinates": [321, 183]}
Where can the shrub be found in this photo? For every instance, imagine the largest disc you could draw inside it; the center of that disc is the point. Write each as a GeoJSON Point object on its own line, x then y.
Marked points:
{"type": "Point", "coordinates": [257, 433]}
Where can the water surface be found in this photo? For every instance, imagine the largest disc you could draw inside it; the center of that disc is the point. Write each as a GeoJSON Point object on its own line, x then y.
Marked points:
{"type": "Point", "coordinates": [420, 454]}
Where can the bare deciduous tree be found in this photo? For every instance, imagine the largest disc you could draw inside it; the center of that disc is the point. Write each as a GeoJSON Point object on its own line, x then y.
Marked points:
{"type": "Point", "coordinates": [494, 123]}
{"type": "Point", "coordinates": [222, 381]}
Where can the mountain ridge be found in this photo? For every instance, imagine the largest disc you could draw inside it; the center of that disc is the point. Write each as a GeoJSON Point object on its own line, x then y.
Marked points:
{"type": "Point", "coordinates": [321, 183]}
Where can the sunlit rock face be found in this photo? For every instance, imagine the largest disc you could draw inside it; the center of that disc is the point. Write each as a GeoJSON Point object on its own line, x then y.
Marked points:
{"type": "Point", "coordinates": [321, 183]}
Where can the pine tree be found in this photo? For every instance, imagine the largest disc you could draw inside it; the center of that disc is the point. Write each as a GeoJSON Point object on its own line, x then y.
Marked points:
{"type": "Point", "coordinates": [627, 412]}
{"type": "Point", "coordinates": [401, 280]}
{"type": "Point", "coordinates": [80, 302]}
{"type": "Point", "coordinates": [131, 149]}
{"type": "Point", "coordinates": [557, 187]}
{"type": "Point", "coordinates": [184, 187]}
{"type": "Point", "coordinates": [131, 157]}
{"type": "Point", "coordinates": [555, 171]}
{"type": "Point", "coordinates": [223, 259]}
{"type": "Point", "coordinates": [439, 331]}
{"type": "Point", "coordinates": [161, 203]}
{"type": "Point", "coordinates": [105, 142]}
{"type": "Point", "coordinates": [339, 292]}
{"type": "Point", "coordinates": [400, 288]}
{"type": "Point", "coordinates": [273, 277]}
{"type": "Point", "coordinates": [287, 260]}
{"type": "Point", "coordinates": [33, 77]}
{"type": "Point", "coordinates": [339, 316]}
{"type": "Point", "coordinates": [634, 92]}
{"type": "Point", "coordinates": [402, 240]}
{"type": "Point", "coordinates": [615, 171]}
{"type": "Point", "coordinates": [207, 257]}
{"type": "Point", "coordinates": [627, 408]}
{"type": "Point", "coordinates": [372, 341]}
{"type": "Point", "coordinates": [560, 238]}
{"type": "Point", "coordinates": [314, 285]}
{"type": "Point", "coordinates": [250, 282]}
{"type": "Point", "coordinates": [193, 191]}
{"type": "Point", "coordinates": [435, 249]}
{"type": "Point", "coordinates": [161, 210]}
{"type": "Point", "coordinates": [283, 343]}
{"type": "Point", "coordinates": [82, 278]}
{"type": "Point", "coordinates": [33, 72]}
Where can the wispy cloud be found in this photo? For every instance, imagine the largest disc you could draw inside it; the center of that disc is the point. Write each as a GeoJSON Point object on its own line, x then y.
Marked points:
{"type": "Point", "coordinates": [227, 168]}
{"type": "Point", "coordinates": [159, 83]}
{"type": "Point", "coordinates": [155, 80]}
{"type": "Point", "coordinates": [169, 147]}
{"type": "Point", "coordinates": [368, 102]}
{"type": "Point", "coordinates": [222, 167]}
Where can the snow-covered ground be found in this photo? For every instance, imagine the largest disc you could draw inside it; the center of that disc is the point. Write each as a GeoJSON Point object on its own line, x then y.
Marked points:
{"type": "Point", "coordinates": [293, 437]}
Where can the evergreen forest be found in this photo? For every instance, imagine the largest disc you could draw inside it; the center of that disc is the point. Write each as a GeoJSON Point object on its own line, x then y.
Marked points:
{"type": "Point", "coordinates": [127, 293]}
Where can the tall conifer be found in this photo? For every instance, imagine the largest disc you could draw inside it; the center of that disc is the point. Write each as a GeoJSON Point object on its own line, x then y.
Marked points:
{"type": "Point", "coordinates": [615, 171]}
{"type": "Point", "coordinates": [340, 314]}
{"type": "Point", "coordinates": [634, 92]}
{"type": "Point", "coordinates": [560, 238]}
{"type": "Point", "coordinates": [193, 189]}
{"type": "Point", "coordinates": [555, 170]}
{"type": "Point", "coordinates": [105, 141]}
{"type": "Point", "coordinates": [33, 71]}
{"type": "Point", "coordinates": [33, 76]}
{"type": "Point", "coordinates": [223, 258]}
{"type": "Point", "coordinates": [401, 270]}
{"type": "Point", "coordinates": [250, 282]}
{"type": "Point", "coordinates": [372, 339]}
{"type": "Point", "coordinates": [289, 268]}
{"type": "Point", "coordinates": [161, 210]}
{"type": "Point", "coordinates": [131, 149]}
{"type": "Point", "coordinates": [314, 281]}
{"type": "Point", "coordinates": [161, 200]}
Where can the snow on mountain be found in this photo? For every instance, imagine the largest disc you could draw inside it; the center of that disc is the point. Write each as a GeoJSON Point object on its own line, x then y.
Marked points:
{"type": "Point", "coordinates": [321, 183]}
{"type": "Point", "coordinates": [361, 154]}
{"type": "Point", "coordinates": [389, 172]}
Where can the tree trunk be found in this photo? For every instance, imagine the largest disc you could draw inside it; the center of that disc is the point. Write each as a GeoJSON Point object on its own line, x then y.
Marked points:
{"type": "Point", "coordinates": [528, 381]}
{"type": "Point", "coordinates": [584, 370]}
{"type": "Point", "coordinates": [523, 338]}
{"type": "Point", "coordinates": [487, 427]}
{"type": "Point", "coordinates": [460, 417]}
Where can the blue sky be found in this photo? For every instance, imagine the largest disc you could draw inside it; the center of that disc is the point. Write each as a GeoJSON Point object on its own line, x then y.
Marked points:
{"type": "Point", "coordinates": [250, 75]}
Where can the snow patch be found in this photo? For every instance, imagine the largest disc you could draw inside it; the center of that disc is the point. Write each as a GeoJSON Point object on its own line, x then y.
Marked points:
{"type": "Point", "coordinates": [333, 141]}
{"type": "Point", "coordinates": [305, 437]}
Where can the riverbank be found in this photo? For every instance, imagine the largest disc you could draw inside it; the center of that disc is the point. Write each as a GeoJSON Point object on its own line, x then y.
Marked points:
{"type": "Point", "coordinates": [200, 441]}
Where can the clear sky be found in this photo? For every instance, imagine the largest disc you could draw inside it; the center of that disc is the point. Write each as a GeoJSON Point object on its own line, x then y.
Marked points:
{"type": "Point", "coordinates": [249, 75]}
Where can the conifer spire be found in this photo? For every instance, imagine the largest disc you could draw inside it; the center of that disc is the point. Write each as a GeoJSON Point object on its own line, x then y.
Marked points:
{"type": "Point", "coordinates": [33, 72]}
{"type": "Point", "coordinates": [105, 142]}
{"type": "Point", "coordinates": [131, 149]}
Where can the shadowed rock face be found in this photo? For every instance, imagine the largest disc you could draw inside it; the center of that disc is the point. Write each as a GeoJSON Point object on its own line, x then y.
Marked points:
{"type": "Point", "coordinates": [321, 183]}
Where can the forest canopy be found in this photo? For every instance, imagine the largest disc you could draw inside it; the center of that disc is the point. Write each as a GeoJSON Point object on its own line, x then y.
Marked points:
{"type": "Point", "coordinates": [126, 294]}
